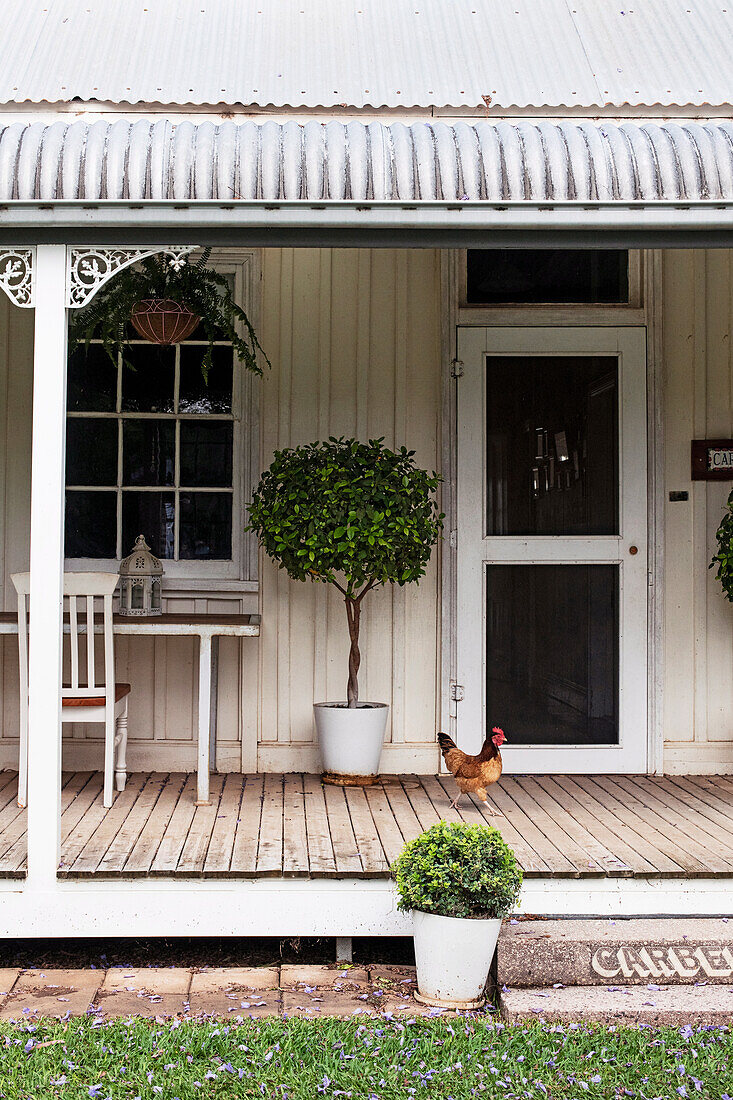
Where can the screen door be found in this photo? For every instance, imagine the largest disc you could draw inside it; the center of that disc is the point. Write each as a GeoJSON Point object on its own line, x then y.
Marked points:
{"type": "Point", "coordinates": [552, 546]}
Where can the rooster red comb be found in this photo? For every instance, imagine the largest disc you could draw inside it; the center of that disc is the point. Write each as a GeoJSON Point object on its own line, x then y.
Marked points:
{"type": "Point", "coordinates": [496, 729]}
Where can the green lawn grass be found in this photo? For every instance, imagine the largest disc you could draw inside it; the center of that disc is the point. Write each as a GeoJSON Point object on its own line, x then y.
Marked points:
{"type": "Point", "coordinates": [385, 1059]}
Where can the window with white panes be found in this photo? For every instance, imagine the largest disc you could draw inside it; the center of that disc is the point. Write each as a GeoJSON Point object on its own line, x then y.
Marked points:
{"type": "Point", "coordinates": [151, 450]}
{"type": "Point", "coordinates": [155, 450]}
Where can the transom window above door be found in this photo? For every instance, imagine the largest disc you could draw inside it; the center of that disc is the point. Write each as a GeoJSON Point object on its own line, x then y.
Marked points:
{"type": "Point", "coordinates": [150, 449]}
{"type": "Point", "coordinates": [547, 276]}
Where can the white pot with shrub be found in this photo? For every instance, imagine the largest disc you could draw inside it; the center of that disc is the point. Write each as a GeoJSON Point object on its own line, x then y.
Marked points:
{"type": "Point", "coordinates": [357, 516]}
{"type": "Point", "coordinates": [458, 881]}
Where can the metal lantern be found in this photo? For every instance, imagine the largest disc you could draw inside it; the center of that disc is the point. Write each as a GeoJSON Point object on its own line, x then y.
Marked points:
{"type": "Point", "coordinates": [141, 576]}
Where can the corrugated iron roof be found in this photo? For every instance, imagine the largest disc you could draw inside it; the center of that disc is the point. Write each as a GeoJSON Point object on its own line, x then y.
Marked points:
{"type": "Point", "coordinates": [355, 161]}
{"type": "Point", "coordinates": [368, 53]}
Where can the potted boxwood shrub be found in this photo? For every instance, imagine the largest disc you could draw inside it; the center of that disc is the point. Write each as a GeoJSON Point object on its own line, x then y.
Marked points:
{"type": "Point", "coordinates": [724, 557]}
{"type": "Point", "coordinates": [357, 516]}
{"type": "Point", "coordinates": [165, 300]}
{"type": "Point", "coordinates": [458, 881]}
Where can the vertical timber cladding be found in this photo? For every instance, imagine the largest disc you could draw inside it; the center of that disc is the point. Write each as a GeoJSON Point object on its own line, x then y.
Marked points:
{"type": "Point", "coordinates": [697, 376]}
{"type": "Point", "coordinates": [355, 344]}
{"type": "Point", "coordinates": [16, 401]}
{"type": "Point", "coordinates": [354, 338]}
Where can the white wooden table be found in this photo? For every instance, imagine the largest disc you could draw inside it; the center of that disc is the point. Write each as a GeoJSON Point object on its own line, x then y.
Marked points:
{"type": "Point", "coordinates": [208, 629]}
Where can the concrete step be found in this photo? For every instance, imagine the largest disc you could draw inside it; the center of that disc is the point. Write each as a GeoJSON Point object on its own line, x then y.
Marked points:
{"type": "Point", "coordinates": [674, 1005]}
{"type": "Point", "coordinates": [664, 951]}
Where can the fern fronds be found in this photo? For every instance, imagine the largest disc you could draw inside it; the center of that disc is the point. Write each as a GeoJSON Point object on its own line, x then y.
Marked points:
{"type": "Point", "coordinates": [206, 292]}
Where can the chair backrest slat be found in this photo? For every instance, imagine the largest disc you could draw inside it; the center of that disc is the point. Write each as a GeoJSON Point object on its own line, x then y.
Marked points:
{"type": "Point", "coordinates": [109, 651]}
{"type": "Point", "coordinates": [91, 679]}
{"type": "Point", "coordinates": [74, 642]}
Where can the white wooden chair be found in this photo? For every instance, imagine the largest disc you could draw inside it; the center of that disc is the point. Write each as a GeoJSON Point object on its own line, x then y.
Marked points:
{"type": "Point", "coordinates": [91, 702]}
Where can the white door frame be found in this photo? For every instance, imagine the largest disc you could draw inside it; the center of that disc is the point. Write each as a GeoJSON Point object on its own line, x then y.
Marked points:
{"type": "Point", "coordinates": [473, 550]}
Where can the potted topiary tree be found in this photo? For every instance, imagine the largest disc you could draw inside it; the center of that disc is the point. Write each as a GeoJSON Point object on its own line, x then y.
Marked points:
{"type": "Point", "coordinates": [458, 881]}
{"type": "Point", "coordinates": [357, 516]}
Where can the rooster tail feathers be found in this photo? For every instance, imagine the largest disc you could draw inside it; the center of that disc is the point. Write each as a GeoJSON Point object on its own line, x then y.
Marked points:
{"type": "Point", "coordinates": [446, 743]}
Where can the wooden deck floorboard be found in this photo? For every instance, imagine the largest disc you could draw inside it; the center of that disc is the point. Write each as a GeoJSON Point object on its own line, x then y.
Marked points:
{"type": "Point", "coordinates": [271, 825]}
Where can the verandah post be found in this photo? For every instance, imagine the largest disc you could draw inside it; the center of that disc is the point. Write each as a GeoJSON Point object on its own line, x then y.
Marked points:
{"type": "Point", "coordinates": [47, 564]}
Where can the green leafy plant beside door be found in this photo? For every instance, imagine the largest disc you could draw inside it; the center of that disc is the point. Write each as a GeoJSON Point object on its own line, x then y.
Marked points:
{"type": "Point", "coordinates": [723, 560]}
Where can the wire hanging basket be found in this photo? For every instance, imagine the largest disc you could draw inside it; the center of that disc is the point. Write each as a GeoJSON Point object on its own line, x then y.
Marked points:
{"type": "Point", "coordinates": [162, 321]}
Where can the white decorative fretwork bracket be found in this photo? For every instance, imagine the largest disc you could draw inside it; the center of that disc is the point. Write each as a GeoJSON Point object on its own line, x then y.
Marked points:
{"type": "Point", "coordinates": [17, 275]}
{"type": "Point", "coordinates": [88, 269]}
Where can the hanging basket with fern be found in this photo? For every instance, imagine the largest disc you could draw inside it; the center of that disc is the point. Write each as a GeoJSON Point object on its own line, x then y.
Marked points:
{"type": "Point", "coordinates": [165, 301]}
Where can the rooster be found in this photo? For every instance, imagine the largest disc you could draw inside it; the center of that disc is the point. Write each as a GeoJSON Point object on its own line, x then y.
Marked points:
{"type": "Point", "coordinates": [473, 774]}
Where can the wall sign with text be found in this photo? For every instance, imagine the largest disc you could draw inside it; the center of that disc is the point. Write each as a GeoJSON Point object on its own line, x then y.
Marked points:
{"type": "Point", "coordinates": [712, 460]}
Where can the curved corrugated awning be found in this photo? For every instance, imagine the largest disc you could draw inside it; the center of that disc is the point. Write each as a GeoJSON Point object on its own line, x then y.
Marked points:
{"type": "Point", "coordinates": [285, 182]}
{"type": "Point", "coordinates": [490, 162]}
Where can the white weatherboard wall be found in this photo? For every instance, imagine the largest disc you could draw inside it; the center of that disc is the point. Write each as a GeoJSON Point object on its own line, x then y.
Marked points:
{"type": "Point", "coordinates": [16, 406]}
{"type": "Point", "coordinates": [354, 338]}
{"type": "Point", "coordinates": [697, 375]}
{"type": "Point", "coordinates": [355, 343]}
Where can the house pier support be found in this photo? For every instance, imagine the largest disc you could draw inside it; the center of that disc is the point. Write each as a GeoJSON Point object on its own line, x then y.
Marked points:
{"type": "Point", "coordinates": [344, 949]}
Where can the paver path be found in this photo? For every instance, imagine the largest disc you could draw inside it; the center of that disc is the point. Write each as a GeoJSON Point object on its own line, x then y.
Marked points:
{"type": "Point", "coordinates": [231, 992]}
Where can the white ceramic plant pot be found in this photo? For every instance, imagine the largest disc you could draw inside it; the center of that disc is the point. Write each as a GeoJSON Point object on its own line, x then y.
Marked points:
{"type": "Point", "coordinates": [351, 741]}
{"type": "Point", "coordinates": [453, 956]}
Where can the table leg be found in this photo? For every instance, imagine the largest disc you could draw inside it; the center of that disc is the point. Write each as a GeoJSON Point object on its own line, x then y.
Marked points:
{"type": "Point", "coordinates": [204, 738]}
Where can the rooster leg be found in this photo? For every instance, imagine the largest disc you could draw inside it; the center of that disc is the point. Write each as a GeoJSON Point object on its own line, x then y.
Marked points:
{"type": "Point", "coordinates": [486, 804]}
{"type": "Point", "coordinates": [454, 803]}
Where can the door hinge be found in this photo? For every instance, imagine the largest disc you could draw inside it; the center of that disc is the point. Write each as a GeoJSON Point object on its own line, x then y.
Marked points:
{"type": "Point", "coordinates": [456, 368]}
{"type": "Point", "coordinates": [456, 692]}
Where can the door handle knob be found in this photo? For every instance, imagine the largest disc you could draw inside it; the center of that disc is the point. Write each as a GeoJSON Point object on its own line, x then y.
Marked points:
{"type": "Point", "coordinates": [633, 550]}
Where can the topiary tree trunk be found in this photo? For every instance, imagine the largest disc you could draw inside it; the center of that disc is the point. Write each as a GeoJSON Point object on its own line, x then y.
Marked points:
{"type": "Point", "coordinates": [353, 615]}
